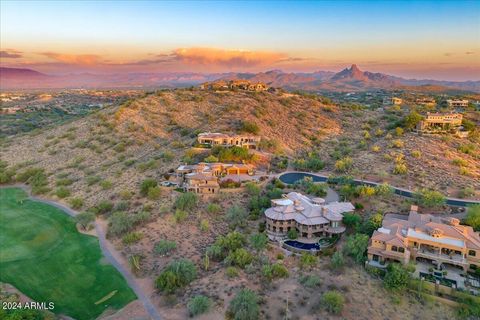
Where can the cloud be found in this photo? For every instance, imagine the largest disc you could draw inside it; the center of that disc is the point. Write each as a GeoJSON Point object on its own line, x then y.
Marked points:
{"type": "Point", "coordinates": [10, 54]}
{"type": "Point", "coordinates": [448, 54]}
{"type": "Point", "coordinates": [75, 59]}
{"type": "Point", "coordinates": [469, 52]}
{"type": "Point", "coordinates": [227, 58]}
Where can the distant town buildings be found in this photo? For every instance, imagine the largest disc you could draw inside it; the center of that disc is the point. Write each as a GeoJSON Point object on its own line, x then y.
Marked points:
{"type": "Point", "coordinates": [222, 139]}
{"type": "Point", "coordinates": [310, 217]}
{"type": "Point", "coordinates": [234, 85]}
{"type": "Point", "coordinates": [457, 103]}
{"type": "Point", "coordinates": [440, 123]}
{"type": "Point", "coordinates": [392, 101]}
{"type": "Point", "coordinates": [428, 102]}
{"type": "Point", "coordinates": [424, 237]}
{"type": "Point", "coordinates": [203, 178]}
{"type": "Point", "coordinates": [10, 110]}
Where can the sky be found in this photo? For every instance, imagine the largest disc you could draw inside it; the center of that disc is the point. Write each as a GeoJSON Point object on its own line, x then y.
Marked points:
{"type": "Point", "coordinates": [413, 39]}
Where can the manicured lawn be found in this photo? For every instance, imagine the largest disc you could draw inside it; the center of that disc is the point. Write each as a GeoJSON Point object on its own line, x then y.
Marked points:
{"type": "Point", "coordinates": [43, 255]}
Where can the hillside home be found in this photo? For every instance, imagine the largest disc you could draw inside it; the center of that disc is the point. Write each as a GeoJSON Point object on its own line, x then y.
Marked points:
{"type": "Point", "coordinates": [440, 123]}
{"type": "Point", "coordinates": [204, 177]}
{"type": "Point", "coordinates": [311, 218]}
{"type": "Point", "coordinates": [457, 103]}
{"type": "Point", "coordinates": [222, 139]}
{"type": "Point", "coordinates": [427, 102]}
{"type": "Point", "coordinates": [393, 101]}
{"type": "Point", "coordinates": [425, 237]}
{"type": "Point", "coordinates": [244, 85]}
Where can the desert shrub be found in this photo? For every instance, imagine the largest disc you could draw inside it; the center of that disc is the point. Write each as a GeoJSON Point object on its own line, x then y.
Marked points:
{"type": "Point", "coordinates": [249, 127]}
{"type": "Point", "coordinates": [396, 277]}
{"type": "Point", "coordinates": [398, 144]}
{"type": "Point", "coordinates": [332, 301]}
{"type": "Point", "coordinates": [310, 281]}
{"type": "Point", "coordinates": [416, 154]}
{"type": "Point", "coordinates": [146, 185]}
{"type": "Point", "coordinates": [314, 188]}
{"type": "Point", "coordinates": [429, 198]}
{"type": "Point", "coordinates": [103, 207]}
{"type": "Point", "coordinates": [132, 237]}
{"type": "Point", "coordinates": [213, 208]}
{"type": "Point", "coordinates": [351, 220]}
{"type": "Point", "coordinates": [466, 192]}
{"type": "Point", "coordinates": [372, 223]}
{"type": "Point", "coordinates": [198, 305]}
{"type": "Point", "coordinates": [308, 260]}
{"type": "Point", "coordinates": [411, 120]}
{"type": "Point", "coordinates": [154, 193]}
{"type": "Point", "coordinates": [468, 148]}
{"type": "Point", "coordinates": [91, 180]}
{"type": "Point", "coordinates": [398, 131]}
{"type": "Point", "coordinates": [400, 168]}
{"type": "Point", "coordinates": [252, 188]}
{"type": "Point", "coordinates": [384, 190]}
{"type": "Point", "coordinates": [257, 205]}
{"type": "Point", "coordinates": [119, 223]}
{"type": "Point", "coordinates": [337, 262]}
{"type": "Point", "coordinates": [236, 216]}
{"type": "Point", "coordinates": [164, 247]}
{"type": "Point", "coordinates": [106, 184]}
{"type": "Point", "coordinates": [232, 154]}
{"type": "Point", "coordinates": [244, 306]}
{"type": "Point", "coordinates": [125, 194]}
{"type": "Point", "coordinates": [211, 159]}
{"type": "Point", "coordinates": [225, 244]}
{"type": "Point", "coordinates": [258, 241]}
{"type": "Point", "coordinates": [473, 217]}
{"type": "Point", "coordinates": [177, 274]}
{"type": "Point", "coordinates": [76, 203]}
{"type": "Point", "coordinates": [204, 225]}
{"type": "Point", "coordinates": [239, 257]}
{"type": "Point", "coordinates": [344, 164]}
{"type": "Point", "coordinates": [356, 246]}
{"type": "Point", "coordinates": [376, 148]}
{"type": "Point", "coordinates": [84, 219]}
{"type": "Point", "coordinates": [186, 201]}
{"type": "Point", "coordinates": [64, 182]}
{"type": "Point", "coordinates": [231, 272]}
{"type": "Point", "coordinates": [229, 183]}
{"type": "Point", "coordinates": [274, 271]}
{"type": "Point", "coordinates": [62, 192]}
{"type": "Point", "coordinates": [180, 215]}
{"type": "Point", "coordinates": [365, 191]}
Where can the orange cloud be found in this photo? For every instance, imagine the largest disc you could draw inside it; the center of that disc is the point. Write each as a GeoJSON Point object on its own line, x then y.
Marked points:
{"type": "Point", "coordinates": [229, 58]}
{"type": "Point", "coordinates": [10, 54]}
{"type": "Point", "coordinates": [78, 59]}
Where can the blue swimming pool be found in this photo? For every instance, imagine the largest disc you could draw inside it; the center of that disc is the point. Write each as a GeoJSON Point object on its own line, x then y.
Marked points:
{"type": "Point", "coordinates": [302, 246]}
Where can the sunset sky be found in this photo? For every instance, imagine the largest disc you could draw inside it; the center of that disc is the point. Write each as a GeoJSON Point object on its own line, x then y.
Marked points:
{"type": "Point", "coordinates": [427, 39]}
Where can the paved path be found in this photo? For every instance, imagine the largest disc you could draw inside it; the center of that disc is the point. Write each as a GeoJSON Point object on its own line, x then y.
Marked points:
{"type": "Point", "coordinates": [132, 282]}
{"type": "Point", "coordinates": [292, 176]}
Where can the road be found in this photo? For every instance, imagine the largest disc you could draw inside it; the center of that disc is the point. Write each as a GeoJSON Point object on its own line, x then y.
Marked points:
{"type": "Point", "coordinates": [292, 176]}
{"type": "Point", "coordinates": [108, 254]}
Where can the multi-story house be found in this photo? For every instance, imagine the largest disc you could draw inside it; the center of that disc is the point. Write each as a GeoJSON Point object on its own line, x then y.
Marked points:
{"type": "Point", "coordinates": [201, 183]}
{"type": "Point", "coordinates": [457, 103]}
{"type": "Point", "coordinates": [311, 218]}
{"type": "Point", "coordinates": [440, 122]}
{"type": "Point", "coordinates": [222, 139]}
{"type": "Point", "coordinates": [424, 237]}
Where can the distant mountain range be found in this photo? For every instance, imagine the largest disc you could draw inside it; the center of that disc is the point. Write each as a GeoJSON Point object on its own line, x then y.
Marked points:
{"type": "Point", "coordinates": [349, 79]}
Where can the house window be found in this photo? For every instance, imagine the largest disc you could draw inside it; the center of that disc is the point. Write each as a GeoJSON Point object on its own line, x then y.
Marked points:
{"type": "Point", "coordinates": [402, 250]}
{"type": "Point", "coordinates": [394, 248]}
{"type": "Point", "coordinates": [472, 253]}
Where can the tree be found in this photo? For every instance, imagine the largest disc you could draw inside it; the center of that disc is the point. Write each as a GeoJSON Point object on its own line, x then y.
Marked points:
{"type": "Point", "coordinates": [85, 218]}
{"type": "Point", "coordinates": [411, 120]}
{"type": "Point", "coordinates": [352, 220]}
{"type": "Point", "coordinates": [198, 305]}
{"type": "Point", "coordinates": [473, 217]}
{"type": "Point", "coordinates": [236, 216]}
{"type": "Point", "coordinates": [292, 234]}
{"type": "Point", "coordinates": [337, 262]}
{"type": "Point", "coordinates": [186, 201]}
{"type": "Point", "coordinates": [429, 198]}
{"type": "Point", "coordinates": [259, 241]}
{"type": "Point", "coordinates": [333, 301]}
{"type": "Point", "coordinates": [239, 257]}
{"type": "Point", "coordinates": [244, 306]}
{"type": "Point", "coordinates": [396, 278]}
{"type": "Point", "coordinates": [355, 247]}
{"type": "Point", "coordinates": [373, 223]}
{"type": "Point", "coordinates": [177, 274]}
{"type": "Point", "coordinates": [146, 185]}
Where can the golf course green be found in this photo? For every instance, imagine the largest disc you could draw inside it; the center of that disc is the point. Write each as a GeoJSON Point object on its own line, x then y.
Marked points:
{"type": "Point", "coordinates": [44, 256]}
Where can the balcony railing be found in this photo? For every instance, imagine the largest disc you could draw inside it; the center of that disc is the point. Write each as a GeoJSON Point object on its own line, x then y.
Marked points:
{"type": "Point", "coordinates": [457, 259]}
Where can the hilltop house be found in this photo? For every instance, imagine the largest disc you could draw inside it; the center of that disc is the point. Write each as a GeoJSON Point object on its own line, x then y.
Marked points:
{"type": "Point", "coordinates": [428, 102]}
{"type": "Point", "coordinates": [425, 237]}
{"type": "Point", "coordinates": [392, 101]}
{"type": "Point", "coordinates": [203, 178]}
{"type": "Point", "coordinates": [440, 123]}
{"type": "Point", "coordinates": [457, 103]}
{"type": "Point", "coordinates": [312, 218]}
{"type": "Point", "coordinates": [244, 85]}
{"type": "Point", "coordinates": [222, 139]}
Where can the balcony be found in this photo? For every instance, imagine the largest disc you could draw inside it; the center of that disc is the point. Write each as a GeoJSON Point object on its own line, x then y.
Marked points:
{"type": "Point", "coordinates": [440, 257]}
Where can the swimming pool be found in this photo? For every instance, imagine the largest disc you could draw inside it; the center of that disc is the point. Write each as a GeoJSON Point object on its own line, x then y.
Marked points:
{"type": "Point", "coordinates": [301, 245]}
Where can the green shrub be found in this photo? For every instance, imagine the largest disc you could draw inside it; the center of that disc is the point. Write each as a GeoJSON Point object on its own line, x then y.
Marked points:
{"type": "Point", "coordinates": [106, 184]}
{"type": "Point", "coordinates": [198, 305]}
{"type": "Point", "coordinates": [76, 203]}
{"type": "Point", "coordinates": [132, 237]}
{"type": "Point", "coordinates": [337, 262]}
{"type": "Point", "coordinates": [473, 217]}
{"type": "Point", "coordinates": [119, 223]}
{"type": "Point", "coordinates": [259, 241]}
{"type": "Point", "coordinates": [231, 272]}
{"type": "Point", "coordinates": [244, 306]}
{"type": "Point", "coordinates": [344, 164]}
{"type": "Point", "coordinates": [308, 260]}
{"type": "Point", "coordinates": [154, 193]}
{"type": "Point", "coordinates": [186, 201]}
{"type": "Point", "coordinates": [177, 274]}
{"type": "Point", "coordinates": [103, 207]}
{"type": "Point", "coordinates": [292, 234]}
{"type": "Point", "coordinates": [333, 301]}
{"type": "Point", "coordinates": [64, 182]}
{"type": "Point", "coordinates": [180, 215]}
{"type": "Point", "coordinates": [249, 127]}
{"type": "Point", "coordinates": [236, 216]}
{"type": "Point", "coordinates": [164, 247]}
{"type": "Point", "coordinates": [213, 208]}
{"type": "Point", "coordinates": [429, 198]}
{"type": "Point", "coordinates": [62, 192]}
{"type": "Point", "coordinates": [356, 246]}
{"type": "Point", "coordinates": [146, 185]}
{"type": "Point", "coordinates": [239, 257]}
{"type": "Point", "coordinates": [310, 281]}
{"type": "Point", "coordinates": [91, 180]}
{"type": "Point", "coordinates": [274, 271]}
{"type": "Point", "coordinates": [396, 278]}
{"type": "Point", "coordinates": [84, 219]}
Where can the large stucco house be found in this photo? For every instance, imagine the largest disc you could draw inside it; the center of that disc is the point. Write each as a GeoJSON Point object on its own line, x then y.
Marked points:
{"type": "Point", "coordinates": [312, 218]}
{"type": "Point", "coordinates": [223, 139]}
{"type": "Point", "coordinates": [425, 237]}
